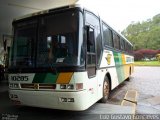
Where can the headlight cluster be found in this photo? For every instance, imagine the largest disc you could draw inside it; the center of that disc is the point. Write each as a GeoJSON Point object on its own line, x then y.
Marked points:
{"type": "Point", "coordinates": [77, 86]}
{"type": "Point", "coordinates": [13, 85]}
{"type": "Point", "coordinates": [13, 96]}
{"type": "Point", "coordinates": [69, 87]}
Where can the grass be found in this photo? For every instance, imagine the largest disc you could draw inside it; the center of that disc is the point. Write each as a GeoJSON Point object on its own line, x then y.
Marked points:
{"type": "Point", "coordinates": [147, 63]}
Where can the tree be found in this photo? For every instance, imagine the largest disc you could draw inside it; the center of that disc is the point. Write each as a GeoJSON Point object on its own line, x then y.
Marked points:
{"type": "Point", "coordinates": [138, 56]}
{"type": "Point", "coordinates": [145, 53]}
{"type": "Point", "coordinates": [144, 35]}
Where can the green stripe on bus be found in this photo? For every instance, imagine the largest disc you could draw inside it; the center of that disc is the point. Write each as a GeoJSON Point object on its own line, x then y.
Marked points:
{"type": "Point", "coordinates": [39, 77]}
{"type": "Point", "coordinates": [116, 59]}
{"type": "Point", "coordinates": [122, 74]}
{"type": "Point", "coordinates": [45, 78]}
{"type": "Point", "coordinates": [51, 78]}
{"type": "Point", "coordinates": [119, 67]}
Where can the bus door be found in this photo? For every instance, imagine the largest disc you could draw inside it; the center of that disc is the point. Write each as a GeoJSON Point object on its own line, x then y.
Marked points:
{"type": "Point", "coordinates": [91, 63]}
{"type": "Point", "coordinates": [94, 50]}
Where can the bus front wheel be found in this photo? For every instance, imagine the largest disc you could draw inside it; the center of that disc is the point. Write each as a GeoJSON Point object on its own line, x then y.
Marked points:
{"type": "Point", "coordinates": [106, 90]}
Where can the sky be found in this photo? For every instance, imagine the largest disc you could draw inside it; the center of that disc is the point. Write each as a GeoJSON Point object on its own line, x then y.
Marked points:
{"type": "Point", "coordinates": [117, 13]}
{"type": "Point", "coordinates": [120, 13]}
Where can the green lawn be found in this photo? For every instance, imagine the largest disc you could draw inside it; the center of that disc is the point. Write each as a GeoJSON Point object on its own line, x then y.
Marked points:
{"type": "Point", "coordinates": [147, 63]}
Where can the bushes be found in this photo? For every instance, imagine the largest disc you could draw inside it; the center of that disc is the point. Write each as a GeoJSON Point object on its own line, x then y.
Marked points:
{"type": "Point", "coordinates": [146, 54]}
{"type": "Point", "coordinates": [158, 57]}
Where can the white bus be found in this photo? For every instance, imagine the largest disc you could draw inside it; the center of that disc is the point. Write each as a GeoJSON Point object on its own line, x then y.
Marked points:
{"type": "Point", "coordinates": [66, 58]}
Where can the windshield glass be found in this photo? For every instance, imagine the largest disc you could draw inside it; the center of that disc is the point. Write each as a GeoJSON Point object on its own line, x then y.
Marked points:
{"type": "Point", "coordinates": [58, 40]}
{"type": "Point", "coordinates": [54, 40]}
{"type": "Point", "coordinates": [23, 46]}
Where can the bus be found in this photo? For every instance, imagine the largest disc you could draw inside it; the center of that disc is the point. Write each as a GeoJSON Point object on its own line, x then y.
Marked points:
{"type": "Point", "coordinates": [66, 58]}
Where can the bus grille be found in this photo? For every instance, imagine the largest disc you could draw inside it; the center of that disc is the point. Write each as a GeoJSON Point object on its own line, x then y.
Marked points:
{"type": "Point", "coordinates": [36, 86]}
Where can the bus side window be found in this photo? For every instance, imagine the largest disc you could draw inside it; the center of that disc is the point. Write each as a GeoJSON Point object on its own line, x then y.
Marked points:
{"type": "Point", "coordinates": [93, 21]}
{"type": "Point", "coordinates": [107, 36]}
{"type": "Point", "coordinates": [130, 49]}
{"type": "Point", "coordinates": [90, 41]}
{"type": "Point", "coordinates": [122, 43]}
{"type": "Point", "coordinates": [116, 40]}
{"type": "Point", "coordinates": [91, 54]}
{"type": "Point", "coordinates": [125, 46]}
{"type": "Point", "coordinates": [91, 46]}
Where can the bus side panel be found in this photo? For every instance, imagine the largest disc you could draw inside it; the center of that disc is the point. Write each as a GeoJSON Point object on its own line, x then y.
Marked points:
{"type": "Point", "coordinates": [118, 65]}
{"type": "Point", "coordinates": [128, 65]}
{"type": "Point", "coordinates": [108, 64]}
{"type": "Point", "coordinates": [89, 84]}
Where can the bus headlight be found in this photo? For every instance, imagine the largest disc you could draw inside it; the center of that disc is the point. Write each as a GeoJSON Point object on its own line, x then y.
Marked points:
{"type": "Point", "coordinates": [13, 85]}
{"type": "Point", "coordinates": [77, 86]}
{"type": "Point", "coordinates": [13, 96]}
{"type": "Point", "coordinates": [70, 86]}
{"type": "Point", "coordinates": [63, 86]}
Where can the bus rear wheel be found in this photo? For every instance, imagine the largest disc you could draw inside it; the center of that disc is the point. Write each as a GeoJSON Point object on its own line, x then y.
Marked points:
{"type": "Point", "coordinates": [130, 72]}
{"type": "Point", "coordinates": [106, 90]}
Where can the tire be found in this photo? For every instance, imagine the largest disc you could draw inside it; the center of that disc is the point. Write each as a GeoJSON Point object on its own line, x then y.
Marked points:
{"type": "Point", "coordinates": [106, 90]}
{"type": "Point", "coordinates": [128, 79]}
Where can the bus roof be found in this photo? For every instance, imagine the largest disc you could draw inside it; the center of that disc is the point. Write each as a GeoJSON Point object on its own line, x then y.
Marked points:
{"type": "Point", "coordinates": [67, 7]}
{"type": "Point", "coordinates": [42, 12]}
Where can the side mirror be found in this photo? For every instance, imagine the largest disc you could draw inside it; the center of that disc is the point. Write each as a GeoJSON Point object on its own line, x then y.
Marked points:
{"type": "Point", "coordinates": [5, 44]}
{"type": "Point", "coordinates": [7, 41]}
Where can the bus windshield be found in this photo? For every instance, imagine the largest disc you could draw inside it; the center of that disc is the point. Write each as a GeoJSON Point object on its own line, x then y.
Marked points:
{"type": "Point", "coordinates": [23, 44]}
{"type": "Point", "coordinates": [50, 40]}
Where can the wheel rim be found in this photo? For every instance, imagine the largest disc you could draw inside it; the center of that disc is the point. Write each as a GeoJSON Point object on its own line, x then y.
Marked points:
{"type": "Point", "coordinates": [106, 89]}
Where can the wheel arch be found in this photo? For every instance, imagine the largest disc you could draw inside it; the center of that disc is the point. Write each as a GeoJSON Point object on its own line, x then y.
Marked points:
{"type": "Point", "coordinates": [110, 80]}
{"type": "Point", "coordinates": [130, 70]}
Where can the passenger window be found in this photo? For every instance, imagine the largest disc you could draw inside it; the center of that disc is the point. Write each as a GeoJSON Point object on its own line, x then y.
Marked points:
{"type": "Point", "coordinates": [91, 54]}
{"type": "Point", "coordinates": [107, 36]}
{"type": "Point", "coordinates": [122, 43]}
{"type": "Point", "coordinates": [90, 41]}
{"type": "Point", "coordinates": [93, 21]}
{"type": "Point", "coordinates": [116, 40]}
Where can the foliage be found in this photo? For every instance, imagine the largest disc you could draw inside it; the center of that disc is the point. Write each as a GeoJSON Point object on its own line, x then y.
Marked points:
{"type": "Point", "coordinates": [145, 54]}
{"type": "Point", "coordinates": [158, 57]}
{"type": "Point", "coordinates": [144, 35]}
{"type": "Point", "coordinates": [138, 55]}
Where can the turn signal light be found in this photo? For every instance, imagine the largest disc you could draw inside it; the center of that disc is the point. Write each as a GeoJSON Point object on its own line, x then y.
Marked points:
{"type": "Point", "coordinates": [79, 86]}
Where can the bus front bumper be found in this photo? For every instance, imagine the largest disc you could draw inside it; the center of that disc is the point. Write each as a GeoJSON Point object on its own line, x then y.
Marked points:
{"type": "Point", "coordinates": [51, 99]}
